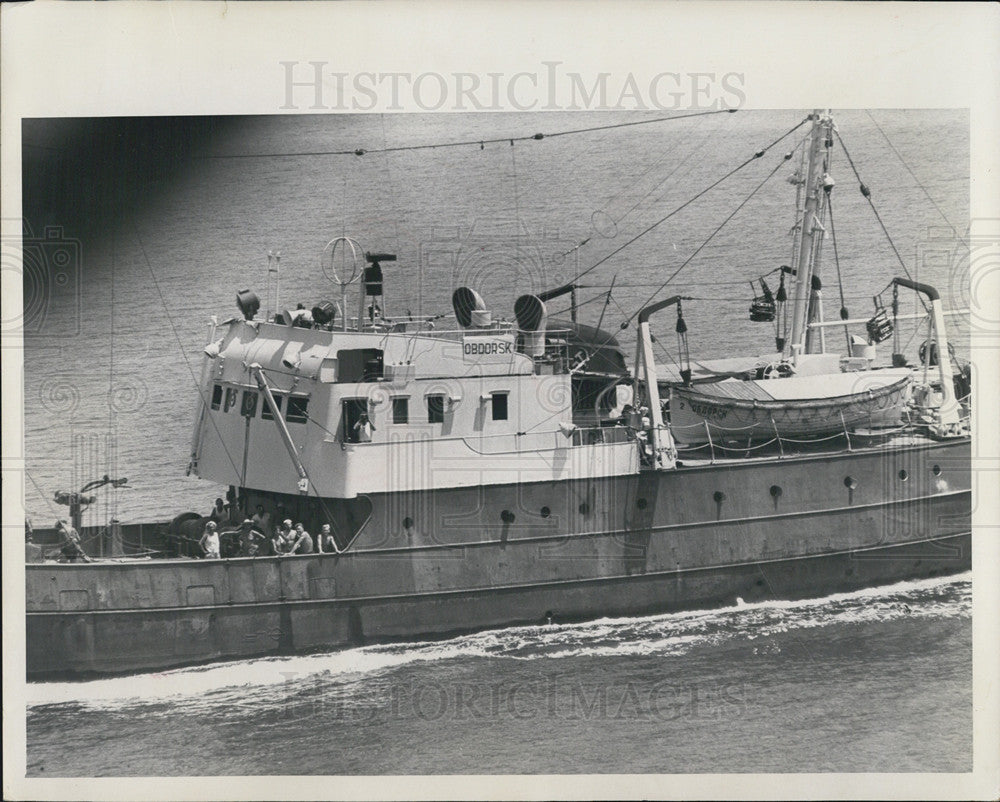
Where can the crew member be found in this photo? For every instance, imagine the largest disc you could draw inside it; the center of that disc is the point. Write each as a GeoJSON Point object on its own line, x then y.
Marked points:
{"type": "Point", "coordinates": [219, 512]}
{"type": "Point", "coordinates": [363, 429]}
{"type": "Point", "coordinates": [302, 543]}
{"type": "Point", "coordinates": [210, 541]}
{"type": "Point", "coordinates": [282, 539]}
{"type": "Point", "coordinates": [71, 549]}
{"type": "Point", "coordinates": [250, 539]}
{"type": "Point", "coordinates": [324, 541]}
{"type": "Point", "coordinates": [262, 519]}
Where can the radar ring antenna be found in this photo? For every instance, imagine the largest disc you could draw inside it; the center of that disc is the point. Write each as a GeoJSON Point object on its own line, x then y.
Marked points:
{"type": "Point", "coordinates": [328, 262]}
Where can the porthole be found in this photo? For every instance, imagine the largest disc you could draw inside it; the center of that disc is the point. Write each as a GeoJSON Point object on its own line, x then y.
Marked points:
{"type": "Point", "coordinates": [641, 504]}
{"type": "Point", "coordinates": [507, 517]}
{"type": "Point", "coordinates": [719, 496]}
{"type": "Point", "coordinates": [545, 512]}
{"type": "Point", "coordinates": [903, 475]}
{"type": "Point", "coordinates": [850, 482]}
{"type": "Point", "coordinates": [936, 470]}
{"type": "Point", "coordinates": [775, 491]}
{"type": "Point", "coordinates": [407, 523]}
{"type": "Point", "coordinates": [584, 508]}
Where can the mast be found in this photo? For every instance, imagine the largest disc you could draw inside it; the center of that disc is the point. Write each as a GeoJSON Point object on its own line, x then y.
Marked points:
{"type": "Point", "coordinates": [804, 277]}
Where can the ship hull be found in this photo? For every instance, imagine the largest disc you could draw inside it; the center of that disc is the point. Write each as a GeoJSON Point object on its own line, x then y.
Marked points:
{"type": "Point", "coordinates": [698, 536]}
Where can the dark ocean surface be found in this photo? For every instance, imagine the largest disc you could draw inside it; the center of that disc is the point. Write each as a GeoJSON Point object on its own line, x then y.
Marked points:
{"type": "Point", "coordinates": [879, 680]}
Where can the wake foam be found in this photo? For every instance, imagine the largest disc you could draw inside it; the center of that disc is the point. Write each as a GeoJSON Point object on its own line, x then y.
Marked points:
{"type": "Point", "coordinates": [666, 634]}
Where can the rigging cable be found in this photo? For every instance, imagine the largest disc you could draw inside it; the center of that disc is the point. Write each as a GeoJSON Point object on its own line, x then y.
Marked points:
{"type": "Point", "coordinates": [111, 379]}
{"type": "Point", "coordinates": [395, 204]}
{"type": "Point", "coordinates": [702, 143]}
{"type": "Point", "coordinates": [166, 311]}
{"type": "Point", "coordinates": [868, 197]}
{"type": "Point", "coordinates": [513, 168]}
{"type": "Point", "coordinates": [607, 301]}
{"type": "Point", "coordinates": [667, 354]}
{"type": "Point", "coordinates": [464, 143]}
{"type": "Point", "coordinates": [691, 200]}
{"type": "Point", "coordinates": [605, 294]}
{"type": "Point", "coordinates": [735, 283]}
{"type": "Point", "coordinates": [740, 299]}
{"type": "Point", "coordinates": [711, 236]}
{"type": "Point", "coordinates": [41, 494]}
{"type": "Point", "coordinates": [615, 221]}
{"type": "Point", "coordinates": [907, 167]}
{"type": "Point", "coordinates": [686, 262]}
{"type": "Point", "coordinates": [836, 261]}
{"type": "Point", "coordinates": [895, 318]}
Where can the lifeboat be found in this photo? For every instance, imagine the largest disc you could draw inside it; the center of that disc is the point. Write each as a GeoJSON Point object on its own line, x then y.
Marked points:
{"type": "Point", "coordinates": [789, 407]}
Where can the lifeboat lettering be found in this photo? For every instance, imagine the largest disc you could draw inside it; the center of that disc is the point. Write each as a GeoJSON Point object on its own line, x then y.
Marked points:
{"type": "Point", "coordinates": [708, 411]}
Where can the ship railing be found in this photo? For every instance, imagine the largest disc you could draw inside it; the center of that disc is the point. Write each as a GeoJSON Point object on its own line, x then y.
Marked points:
{"type": "Point", "coordinates": [426, 324]}
{"type": "Point", "coordinates": [586, 436]}
{"type": "Point", "coordinates": [410, 324]}
{"type": "Point", "coordinates": [597, 435]}
{"type": "Point", "coordinates": [556, 352]}
{"type": "Point", "coordinates": [517, 442]}
{"type": "Point", "coordinates": [560, 438]}
{"type": "Point", "coordinates": [100, 534]}
{"type": "Point", "coordinates": [715, 448]}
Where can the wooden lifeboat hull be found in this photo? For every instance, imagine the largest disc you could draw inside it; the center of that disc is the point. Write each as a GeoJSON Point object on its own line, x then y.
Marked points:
{"type": "Point", "coordinates": [792, 407]}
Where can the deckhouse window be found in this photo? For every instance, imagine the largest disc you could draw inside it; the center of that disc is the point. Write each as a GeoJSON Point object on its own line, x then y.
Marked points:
{"type": "Point", "coordinates": [358, 427]}
{"type": "Point", "coordinates": [401, 410]}
{"type": "Point", "coordinates": [296, 411]}
{"type": "Point", "coordinates": [216, 396]}
{"type": "Point", "coordinates": [499, 403]}
{"type": "Point", "coordinates": [231, 396]}
{"type": "Point", "coordinates": [435, 409]}
{"type": "Point", "coordinates": [265, 410]}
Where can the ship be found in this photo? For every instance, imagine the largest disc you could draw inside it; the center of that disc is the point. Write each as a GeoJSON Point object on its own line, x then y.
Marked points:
{"type": "Point", "coordinates": [488, 470]}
